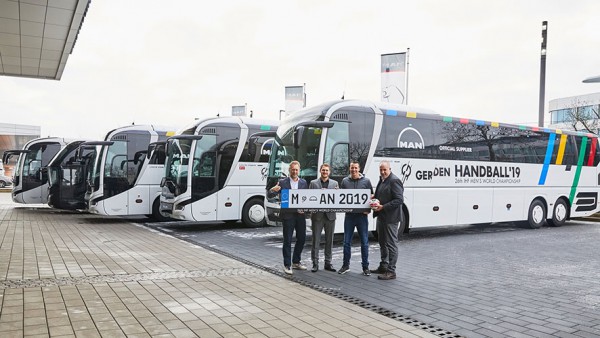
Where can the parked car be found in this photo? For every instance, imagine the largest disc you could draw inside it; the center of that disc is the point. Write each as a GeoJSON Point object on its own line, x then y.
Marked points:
{"type": "Point", "coordinates": [5, 181]}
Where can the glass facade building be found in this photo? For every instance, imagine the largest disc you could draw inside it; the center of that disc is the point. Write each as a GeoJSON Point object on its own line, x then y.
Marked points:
{"type": "Point", "coordinates": [564, 111]}
{"type": "Point", "coordinates": [15, 136]}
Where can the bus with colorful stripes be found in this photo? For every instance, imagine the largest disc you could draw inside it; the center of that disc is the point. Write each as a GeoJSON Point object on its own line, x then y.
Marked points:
{"type": "Point", "coordinates": [454, 170]}
{"type": "Point", "coordinates": [216, 170]}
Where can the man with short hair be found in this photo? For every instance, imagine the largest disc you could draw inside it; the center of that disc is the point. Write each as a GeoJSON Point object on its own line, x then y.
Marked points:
{"type": "Point", "coordinates": [292, 220]}
{"type": "Point", "coordinates": [388, 212]}
{"type": "Point", "coordinates": [323, 220]}
{"type": "Point", "coordinates": [357, 220]}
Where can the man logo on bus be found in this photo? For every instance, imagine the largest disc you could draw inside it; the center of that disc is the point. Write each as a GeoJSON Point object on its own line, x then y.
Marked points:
{"type": "Point", "coordinates": [410, 138]}
{"type": "Point", "coordinates": [265, 149]}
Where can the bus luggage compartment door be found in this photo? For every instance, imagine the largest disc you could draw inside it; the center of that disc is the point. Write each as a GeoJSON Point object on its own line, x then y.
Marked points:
{"type": "Point", "coordinates": [139, 202]}
{"type": "Point", "coordinates": [434, 207]}
{"type": "Point", "coordinates": [474, 206]}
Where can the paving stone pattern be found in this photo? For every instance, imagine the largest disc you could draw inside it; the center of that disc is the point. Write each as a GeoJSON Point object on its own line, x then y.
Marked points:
{"type": "Point", "coordinates": [67, 274]}
{"type": "Point", "coordinates": [498, 280]}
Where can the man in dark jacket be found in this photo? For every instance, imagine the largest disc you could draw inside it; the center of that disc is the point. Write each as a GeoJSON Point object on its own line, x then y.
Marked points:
{"type": "Point", "coordinates": [292, 221]}
{"type": "Point", "coordinates": [389, 192]}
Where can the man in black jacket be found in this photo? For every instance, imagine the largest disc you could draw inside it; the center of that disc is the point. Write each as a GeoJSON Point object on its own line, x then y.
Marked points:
{"type": "Point", "coordinates": [389, 192]}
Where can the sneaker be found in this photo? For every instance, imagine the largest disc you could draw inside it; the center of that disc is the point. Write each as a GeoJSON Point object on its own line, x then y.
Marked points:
{"type": "Point", "coordinates": [380, 270]}
{"type": "Point", "coordinates": [288, 270]}
{"type": "Point", "coordinates": [344, 269]}
{"type": "Point", "coordinates": [329, 267]}
{"type": "Point", "coordinates": [366, 272]}
{"type": "Point", "coordinates": [387, 276]}
{"type": "Point", "coordinates": [298, 266]}
{"type": "Point", "coordinates": [315, 267]}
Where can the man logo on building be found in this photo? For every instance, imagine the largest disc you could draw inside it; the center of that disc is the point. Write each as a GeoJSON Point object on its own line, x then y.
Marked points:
{"type": "Point", "coordinates": [410, 138]}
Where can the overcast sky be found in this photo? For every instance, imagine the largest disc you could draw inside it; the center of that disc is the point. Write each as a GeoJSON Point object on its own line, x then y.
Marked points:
{"type": "Point", "coordinates": [166, 63]}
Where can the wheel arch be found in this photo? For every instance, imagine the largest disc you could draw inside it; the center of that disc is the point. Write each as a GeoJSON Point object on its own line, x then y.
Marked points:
{"type": "Point", "coordinates": [406, 218]}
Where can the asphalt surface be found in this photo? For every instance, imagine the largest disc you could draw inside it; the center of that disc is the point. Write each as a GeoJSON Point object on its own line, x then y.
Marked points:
{"type": "Point", "coordinates": [498, 280]}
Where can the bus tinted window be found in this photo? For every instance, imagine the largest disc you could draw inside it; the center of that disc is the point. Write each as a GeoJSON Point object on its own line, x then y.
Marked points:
{"type": "Point", "coordinates": [438, 139]}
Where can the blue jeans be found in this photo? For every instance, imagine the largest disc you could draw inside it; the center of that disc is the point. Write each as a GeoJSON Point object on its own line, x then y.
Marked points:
{"type": "Point", "coordinates": [361, 222]}
{"type": "Point", "coordinates": [298, 223]}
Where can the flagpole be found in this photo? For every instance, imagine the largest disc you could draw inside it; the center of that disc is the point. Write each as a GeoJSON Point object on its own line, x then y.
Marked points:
{"type": "Point", "coordinates": [406, 80]}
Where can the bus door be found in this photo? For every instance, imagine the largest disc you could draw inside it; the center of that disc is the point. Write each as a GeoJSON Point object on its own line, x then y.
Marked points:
{"type": "Point", "coordinates": [228, 198]}
{"type": "Point", "coordinates": [34, 178]}
{"type": "Point", "coordinates": [204, 182]}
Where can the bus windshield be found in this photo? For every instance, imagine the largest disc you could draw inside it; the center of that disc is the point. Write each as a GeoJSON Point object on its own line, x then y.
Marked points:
{"type": "Point", "coordinates": [284, 152]}
{"type": "Point", "coordinates": [178, 154]}
{"type": "Point", "coordinates": [204, 156]}
{"type": "Point", "coordinates": [94, 178]}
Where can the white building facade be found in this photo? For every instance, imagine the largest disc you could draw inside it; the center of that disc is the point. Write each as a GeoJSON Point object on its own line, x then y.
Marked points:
{"type": "Point", "coordinates": [564, 110]}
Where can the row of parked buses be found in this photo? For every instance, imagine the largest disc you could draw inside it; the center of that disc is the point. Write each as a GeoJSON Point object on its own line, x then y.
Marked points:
{"type": "Point", "coordinates": [454, 170]}
{"type": "Point", "coordinates": [212, 170]}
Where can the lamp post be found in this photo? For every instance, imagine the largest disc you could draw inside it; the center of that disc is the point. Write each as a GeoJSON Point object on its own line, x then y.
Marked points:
{"type": "Point", "coordinates": [543, 74]}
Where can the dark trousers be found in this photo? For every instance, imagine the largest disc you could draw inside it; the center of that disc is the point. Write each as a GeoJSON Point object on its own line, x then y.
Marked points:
{"type": "Point", "coordinates": [387, 234]}
{"type": "Point", "coordinates": [298, 223]}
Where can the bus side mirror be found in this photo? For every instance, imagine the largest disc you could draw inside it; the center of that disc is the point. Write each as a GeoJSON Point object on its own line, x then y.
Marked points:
{"type": "Point", "coordinates": [138, 156]}
{"type": "Point", "coordinates": [298, 134]}
{"type": "Point", "coordinates": [163, 182]}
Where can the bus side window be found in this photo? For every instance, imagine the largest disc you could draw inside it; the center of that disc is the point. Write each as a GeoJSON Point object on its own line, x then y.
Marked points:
{"type": "Point", "coordinates": [340, 159]}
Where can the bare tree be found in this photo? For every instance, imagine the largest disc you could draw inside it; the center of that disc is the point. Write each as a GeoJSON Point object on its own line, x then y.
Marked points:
{"type": "Point", "coordinates": [582, 116]}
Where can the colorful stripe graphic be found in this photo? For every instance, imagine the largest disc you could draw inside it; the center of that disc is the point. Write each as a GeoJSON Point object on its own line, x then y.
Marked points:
{"type": "Point", "coordinates": [592, 151]}
{"type": "Point", "coordinates": [578, 171]}
{"type": "Point", "coordinates": [561, 149]}
{"type": "Point", "coordinates": [549, 150]}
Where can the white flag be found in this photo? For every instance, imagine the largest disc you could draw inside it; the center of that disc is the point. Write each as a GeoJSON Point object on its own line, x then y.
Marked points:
{"type": "Point", "coordinates": [294, 99]}
{"type": "Point", "coordinates": [393, 78]}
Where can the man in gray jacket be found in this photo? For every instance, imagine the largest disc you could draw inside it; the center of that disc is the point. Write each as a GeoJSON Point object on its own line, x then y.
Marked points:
{"type": "Point", "coordinates": [357, 220]}
{"type": "Point", "coordinates": [323, 220]}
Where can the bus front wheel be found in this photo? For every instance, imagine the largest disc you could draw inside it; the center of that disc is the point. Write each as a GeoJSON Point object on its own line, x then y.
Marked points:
{"type": "Point", "coordinates": [537, 214]}
{"type": "Point", "coordinates": [253, 213]}
{"type": "Point", "coordinates": [560, 214]}
{"type": "Point", "coordinates": [156, 215]}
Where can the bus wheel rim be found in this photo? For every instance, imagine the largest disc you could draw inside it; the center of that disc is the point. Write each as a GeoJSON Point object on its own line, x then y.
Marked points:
{"type": "Point", "coordinates": [561, 212]}
{"type": "Point", "coordinates": [537, 214]}
{"type": "Point", "coordinates": [256, 213]}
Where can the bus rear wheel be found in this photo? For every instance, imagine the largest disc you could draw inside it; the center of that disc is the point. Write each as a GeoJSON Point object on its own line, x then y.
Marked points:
{"type": "Point", "coordinates": [253, 213]}
{"type": "Point", "coordinates": [537, 214]}
{"type": "Point", "coordinates": [560, 213]}
{"type": "Point", "coordinates": [156, 215]}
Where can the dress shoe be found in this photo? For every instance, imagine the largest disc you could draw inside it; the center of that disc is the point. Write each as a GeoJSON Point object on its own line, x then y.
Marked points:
{"type": "Point", "coordinates": [315, 267]}
{"type": "Point", "coordinates": [329, 267]}
{"type": "Point", "coordinates": [387, 276]}
{"type": "Point", "coordinates": [380, 270]}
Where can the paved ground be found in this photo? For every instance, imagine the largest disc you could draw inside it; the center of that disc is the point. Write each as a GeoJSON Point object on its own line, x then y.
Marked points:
{"type": "Point", "coordinates": [479, 281]}
{"type": "Point", "coordinates": [68, 274]}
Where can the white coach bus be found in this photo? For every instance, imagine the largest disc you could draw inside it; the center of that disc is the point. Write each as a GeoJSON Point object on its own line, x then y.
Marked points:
{"type": "Point", "coordinates": [216, 171]}
{"type": "Point", "coordinates": [30, 174]}
{"type": "Point", "coordinates": [128, 168]}
{"type": "Point", "coordinates": [454, 170]}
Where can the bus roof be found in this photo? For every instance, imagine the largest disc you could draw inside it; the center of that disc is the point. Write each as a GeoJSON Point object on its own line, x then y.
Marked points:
{"type": "Point", "coordinates": [391, 109]}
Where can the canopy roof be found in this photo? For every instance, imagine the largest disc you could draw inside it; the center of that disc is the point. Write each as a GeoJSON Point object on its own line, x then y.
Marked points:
{"type": "Point", "coordinates": [37, 36]}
